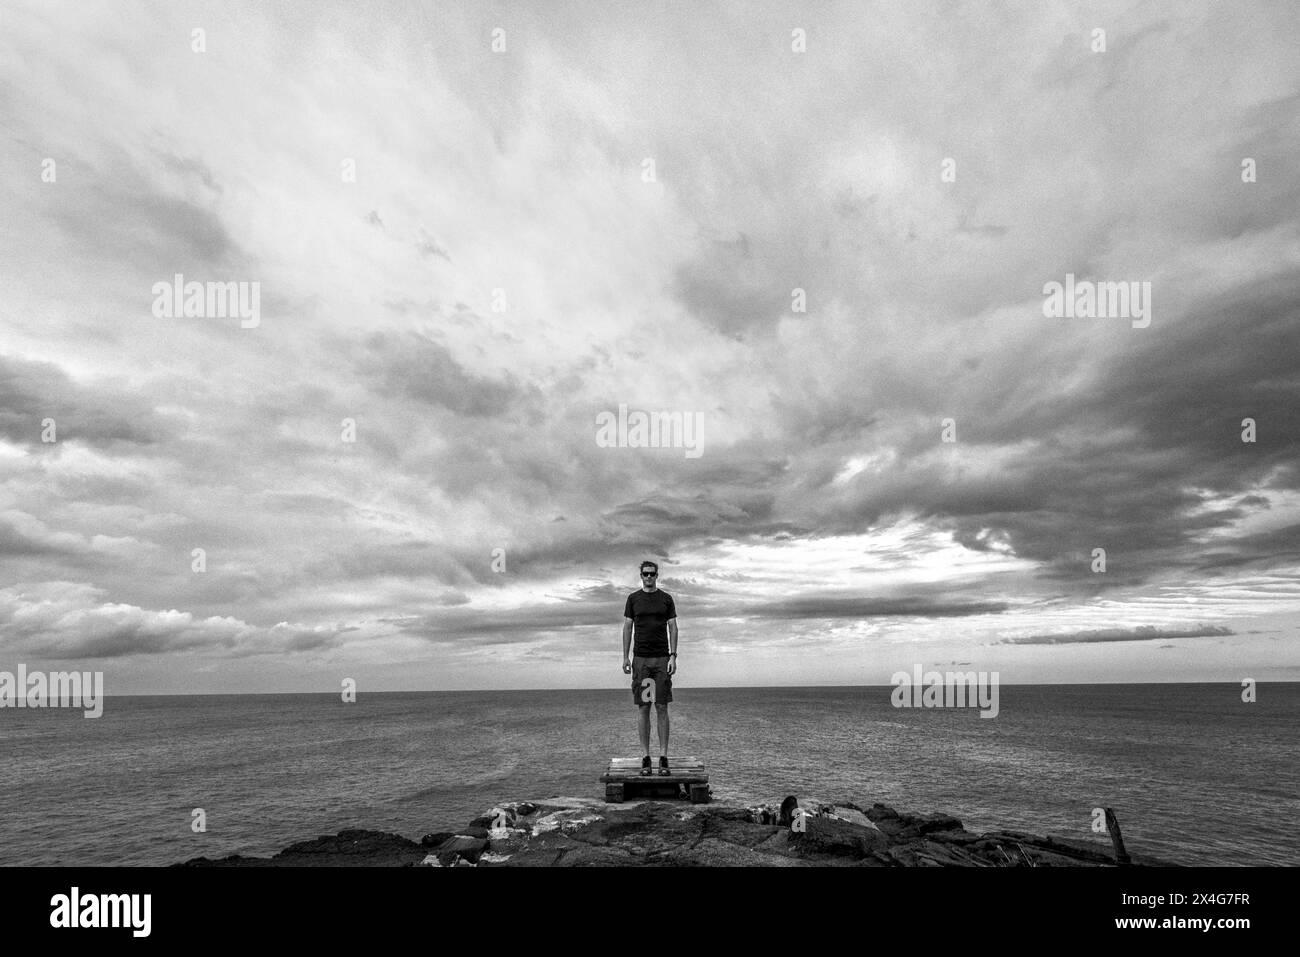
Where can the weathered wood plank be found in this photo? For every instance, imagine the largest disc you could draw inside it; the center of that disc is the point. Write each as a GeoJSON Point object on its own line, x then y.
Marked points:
{"type": "Point", "coordinates": [672, 772]}
{"type": "Point", "coordinates": [618, 778]}
{"type": "Point", "coordinates": [637, 776]}
{"type": "Point", "coordinates": [672, 769]}
{"type": "Point", "coordinates": [684, 773]}
{"type": "Point", "coordinates": [680, 757]}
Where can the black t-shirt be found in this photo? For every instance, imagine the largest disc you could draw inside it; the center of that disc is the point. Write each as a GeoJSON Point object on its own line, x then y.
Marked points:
{"type": "Point", "coordinates": [650, 612]}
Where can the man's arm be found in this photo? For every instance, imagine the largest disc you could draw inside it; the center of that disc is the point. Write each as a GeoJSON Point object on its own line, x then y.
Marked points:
{"type": "Point", "coordinates": [672, 644]}
{"type": "Point", "coordinates": [627, 645]}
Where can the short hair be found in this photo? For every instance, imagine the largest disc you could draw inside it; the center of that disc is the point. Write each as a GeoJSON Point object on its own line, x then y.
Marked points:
{"type": "Point", "coordinates": [649, 564]}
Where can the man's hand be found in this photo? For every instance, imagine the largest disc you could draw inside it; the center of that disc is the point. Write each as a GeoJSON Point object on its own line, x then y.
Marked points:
{"type": "Point", "coordinates": [672, 666]}
{"type": "Point", "coordinates": [627, 666]}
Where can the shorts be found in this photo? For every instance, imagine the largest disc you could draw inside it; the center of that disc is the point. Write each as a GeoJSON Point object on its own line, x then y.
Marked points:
{"type": "Point", "coordinates": [650, 681]}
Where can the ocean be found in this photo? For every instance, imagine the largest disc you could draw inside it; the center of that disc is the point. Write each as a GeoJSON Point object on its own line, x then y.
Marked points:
{"type": "Point", "coordinates": [1195, 775]}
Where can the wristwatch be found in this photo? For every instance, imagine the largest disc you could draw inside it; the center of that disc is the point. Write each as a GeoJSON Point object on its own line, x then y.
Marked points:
{"type": "Point", "coordinates": [672, 654]}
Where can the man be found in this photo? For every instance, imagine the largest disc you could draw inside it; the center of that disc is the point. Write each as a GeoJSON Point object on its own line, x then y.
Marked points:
{"type": "Point", "coordinates": [654, 616]}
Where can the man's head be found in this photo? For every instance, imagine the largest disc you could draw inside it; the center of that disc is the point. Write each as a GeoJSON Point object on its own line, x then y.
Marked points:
{"type": "Point", "coordinates": [649, 574]}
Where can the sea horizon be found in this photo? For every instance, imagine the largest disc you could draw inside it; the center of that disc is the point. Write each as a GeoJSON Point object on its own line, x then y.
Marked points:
{"type": "Point", "coordinates": [1194, 777]}
{"type": "Point", "coordinates": [620, 688]}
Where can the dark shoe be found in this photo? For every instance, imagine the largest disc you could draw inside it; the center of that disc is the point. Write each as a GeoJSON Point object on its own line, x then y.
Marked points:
{"type": "Point", "coordinates": [645, 766]}
{"type": "Point", "coordinates": [663, 765]}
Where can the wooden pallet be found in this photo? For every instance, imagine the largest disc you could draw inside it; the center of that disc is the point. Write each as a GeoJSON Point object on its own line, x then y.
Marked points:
{"type": "Point", "coordinates": [623, 779]}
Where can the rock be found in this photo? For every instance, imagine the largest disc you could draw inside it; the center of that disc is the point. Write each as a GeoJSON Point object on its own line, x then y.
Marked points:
{"type": "Point", "coordinates": [462, 847]}
{"type": "Point", "coordinates": [715, 853]}
{"type": "Point", "coordinates": [852, 814]}
{"type": "Point", "coordinates": [350, 848]}
{"type": "Point", "coordinates": [1046, 850]}
{"type": "Point", "coordinates": [507, 813]}
{"type": "Point", "coordinates": [566, 819]}
{"type": "Point", "coordinates": [643, 831]}
{"type": "Point", "coordinates": [904, 856]}
{"type": "Point", "coordinates": [929, 823]}
{"type": "Point", "coordinates": [567, 804]}
{"type": "Point", "coordinates": [885, 818]}
{"type": "Point", "coordinates": [778, 842]}
{"type": "Point", "coordinates": [531, 852]}
{"type": "Point", "coordinates": [584, 832]}
{"type": "Point", "coordinates": [486, 821]}
{"type": "Point", "coordinates": [938, 854]}
{"type": "Point", "coordinates": [907, 826]}
{"type": "Point", "coordinates": [836, 837]}
{"type": "Point", "coordinates": [508, 841]}
{"type": "Point", "coordinates": [592, 856]}
{"type": "Point", "coordinates": [722, 812]}
{"type": "Point", "coordinates": [743, 833]}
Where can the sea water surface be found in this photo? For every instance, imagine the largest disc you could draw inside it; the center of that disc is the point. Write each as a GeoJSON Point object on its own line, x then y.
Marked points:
{"type": "Point", "coordinates": [1195, 775]}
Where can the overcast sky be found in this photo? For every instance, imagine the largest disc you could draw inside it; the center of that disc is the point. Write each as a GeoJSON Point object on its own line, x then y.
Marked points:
{"type": "Point", "coordinates": [505, 268]}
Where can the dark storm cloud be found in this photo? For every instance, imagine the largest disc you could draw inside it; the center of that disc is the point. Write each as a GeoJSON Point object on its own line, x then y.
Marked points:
{"type": "Point", "coordinates": [917, 606]}
{"type": "Point", "coordinates": [65, 621]}
{"type": "Point", "coordinates": [670, 516]}
{"type": "Point", "coordinates": [1166, 417]}
{"type": "Point", "coordinates": [509, 627]}
{"type": "Point", "coordinates": [730, 289]}
{"type": "Point", "coordinates": [605, 594]}
{"type": "Point", "coordinates": [151, 633]}
{"type": "Point", "coordinates": [16, 541]}
{"type": "Point", "coordinates": [1140, 633]}
{"type": "Point", "coordinates": [159, 224]}
{"type": "Point", "coordinates": [1188, 388]}
{"type": "Point", "coordinates": [305, 639]}
{"type": "Point", "coordinates": [362, 560]}
{"type": "Point", "coordinates": [602, 606]}
{"type": "Point", "coordinates": [744, 286]}
{"type": "Point", "coordinates": [416, 367]}
{"type": "Point", "coordinates": [99, 415]}
{"type": "Point", "coordinates": [134, 637]}
{"type": "Point", "coordinates": [1262, 550]}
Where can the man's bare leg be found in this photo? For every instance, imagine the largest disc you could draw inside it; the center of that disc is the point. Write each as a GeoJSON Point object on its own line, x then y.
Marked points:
{"type": "Point", "coordinates": [644, 728]}
{"type": "Point", "coordinates": [663, 730]}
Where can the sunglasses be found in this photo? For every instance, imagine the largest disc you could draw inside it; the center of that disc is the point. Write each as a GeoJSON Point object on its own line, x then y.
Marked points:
{"type": "Point", "coordinates": [649, 574]}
